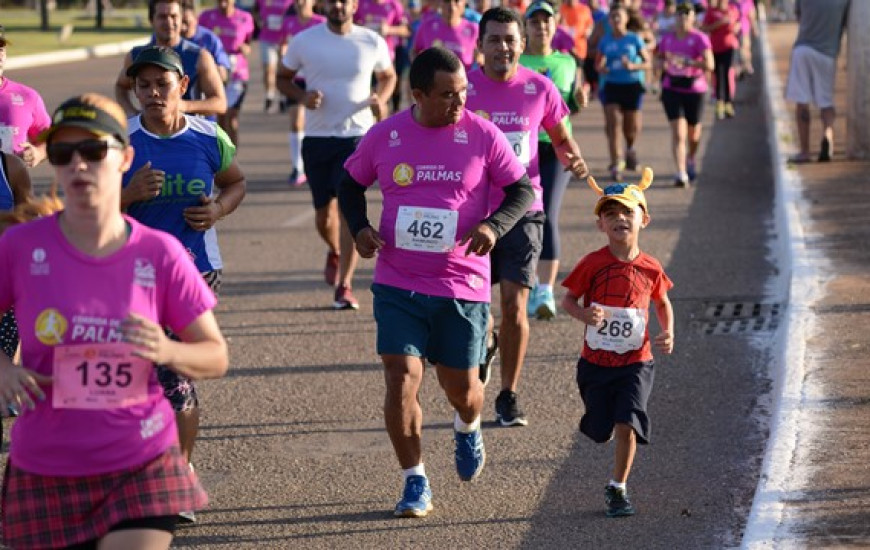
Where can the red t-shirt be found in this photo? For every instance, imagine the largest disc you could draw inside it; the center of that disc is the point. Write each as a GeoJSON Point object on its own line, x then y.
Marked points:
{"type": "Point", "coordinates": [723, 38]}
{"type": "Point", "coordinates": [620, 286]}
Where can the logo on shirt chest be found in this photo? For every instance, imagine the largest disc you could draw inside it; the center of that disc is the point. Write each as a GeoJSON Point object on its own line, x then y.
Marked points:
{"type": "Point", "coordinates": [50, 327]}
{"type": "Point", "coordinates": [144, 273]}
{"type": "Point", "coordinates": [403, 174]}
{"type": "Point", "coordinates": [17, 100]}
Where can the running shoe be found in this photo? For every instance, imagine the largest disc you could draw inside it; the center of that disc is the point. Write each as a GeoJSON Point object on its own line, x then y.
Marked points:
{"type": "Point", "coordinates": [825, 152]}
{"type": "Point", "coordinates": [297, 178]}
{"type": "Point", "coordinates": [186, 517]}
{"type": "Point", "coordinates": [485, 371]}
{"type": "Point", "coordinates": [344, 298]}
{"type": "Point", "coordinates": [416, 498]}
{"type": "Point", "coordinates": [507, 410]}
{"type": "Point", "coordinates": [282, 105]}
{"type": "Point", "coordinates": [681, 181]}
{"type": "Point", "coordinates": [729, 109]}
{"type": "Point", "coordinates": [267, 104]}
{"type": "Point", "coordinates": [618, 505]}
{"type": "Point", "coordinates": [330, 270]}
{"type": "Point", "coordinates": [470, 454]}
{"type": "Point", "coordinates": [691, 171]}
{"type": "Point", "coordinates": [616, 170]}
{"type": "Point", "coordinates": [720, 110]}
{"type": "Point", "coordinates": [545, 308]}
{"type": "Point", "coordinates": [631, 159]}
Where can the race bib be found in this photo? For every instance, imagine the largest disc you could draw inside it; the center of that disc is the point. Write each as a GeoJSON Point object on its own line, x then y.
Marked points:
{"type": "Point", "coordinates": [99, 376]}
{"type": "Point", "coordinates": [426, 229]}
{"type": "Point", "coordinates": [521, 145]}
{"type": "Point", "coordinates": [273, 22]}
{"type": "Point", "coordinates": [622, 330]}
{"type": "Point", "coordinates": [6, 139]}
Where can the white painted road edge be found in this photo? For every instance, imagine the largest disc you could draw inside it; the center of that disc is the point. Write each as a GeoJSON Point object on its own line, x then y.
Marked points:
{"type": "Point", "coordinates": [79, 54]}
{"type": "Point", "coordinates": [785, 470]}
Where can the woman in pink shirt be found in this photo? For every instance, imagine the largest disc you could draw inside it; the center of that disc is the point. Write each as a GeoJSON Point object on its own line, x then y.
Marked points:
{"type": "Point", "coordinates": [94, 459]}
{"type": "Point", "coordinates": [722, 22]}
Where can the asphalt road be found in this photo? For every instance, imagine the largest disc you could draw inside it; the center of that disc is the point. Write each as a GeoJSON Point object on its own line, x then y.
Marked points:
{"type": "Point", "coordinates": [292, 447]}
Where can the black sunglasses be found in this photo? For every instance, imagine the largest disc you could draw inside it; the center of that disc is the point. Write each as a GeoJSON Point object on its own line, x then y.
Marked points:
{"type": "Point", "coordinates": [91, 150]}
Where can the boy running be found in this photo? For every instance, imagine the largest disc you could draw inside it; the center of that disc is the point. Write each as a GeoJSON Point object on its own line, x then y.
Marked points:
{"type": "Point", "coordinates": [615, 370]}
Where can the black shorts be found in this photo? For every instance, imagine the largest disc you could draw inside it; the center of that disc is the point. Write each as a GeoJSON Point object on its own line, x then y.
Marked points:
{"type": "Point", "coordinates": [629, 97]}
{"type": "Point", "coordinates": [615, 395]}
{"type": "Point", "coordinates": [515, 256]}
{"type": "Point", "coordinates": [300, 82]}
{"type": "Point", "coordinates": [324, 165]}
{"type": "Point", "coordinates": [687, 105]}
{"type": "Point", "coordinates": [157, 523]}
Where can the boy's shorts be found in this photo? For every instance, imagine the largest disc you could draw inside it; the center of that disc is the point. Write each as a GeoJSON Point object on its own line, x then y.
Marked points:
{"type": "Point", "coordinates": [445, 331]}
{"type": "Point", "coordinates": [515, 256]}
{"type": "Point", "coordinates": [615, 395]}
{"type": "Point", "coordinates": [269, 53]}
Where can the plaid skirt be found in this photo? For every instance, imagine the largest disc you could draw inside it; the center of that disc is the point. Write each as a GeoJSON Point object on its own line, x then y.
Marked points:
{"type": "Point", "coordinates": [55, 512]}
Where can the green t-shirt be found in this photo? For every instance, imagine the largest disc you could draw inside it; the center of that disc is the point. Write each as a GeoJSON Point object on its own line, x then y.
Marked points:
{"type": "Point", "coordinates": [559, 67]}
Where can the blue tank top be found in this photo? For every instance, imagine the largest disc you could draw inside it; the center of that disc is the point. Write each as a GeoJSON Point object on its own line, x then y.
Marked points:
{"type": "Point", "coordinates": [7, 198]}
{"type": "Point", "coordinates": [190, 159]}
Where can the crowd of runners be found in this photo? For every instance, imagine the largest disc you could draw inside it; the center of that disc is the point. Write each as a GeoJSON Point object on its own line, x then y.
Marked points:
{"type": "Point", "coordinates": [460, 114]}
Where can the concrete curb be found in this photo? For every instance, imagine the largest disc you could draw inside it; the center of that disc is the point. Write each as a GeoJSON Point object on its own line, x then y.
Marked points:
{"type": "Point", "coordinates": [78, 54]}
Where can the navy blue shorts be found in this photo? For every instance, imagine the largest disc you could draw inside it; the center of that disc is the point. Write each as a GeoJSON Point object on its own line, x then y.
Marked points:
{"type": "Point", "coordinates": [445, 331]}
{"type": "Point", "coordinates": [615, 395]}
{"type": "Point", "coordinates": [515, 256]}
{"type": "Point", "coordinates": [324, 159]}
{"type": "Point", "coordinates": [629, 97]}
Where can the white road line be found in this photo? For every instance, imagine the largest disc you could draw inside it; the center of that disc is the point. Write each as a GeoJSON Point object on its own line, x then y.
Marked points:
{"type": "Point", "coordinates": [785, 470]}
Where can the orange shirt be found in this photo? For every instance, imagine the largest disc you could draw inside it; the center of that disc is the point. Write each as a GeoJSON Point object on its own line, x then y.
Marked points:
{"type": "Point", "coordinates": [577, 18]}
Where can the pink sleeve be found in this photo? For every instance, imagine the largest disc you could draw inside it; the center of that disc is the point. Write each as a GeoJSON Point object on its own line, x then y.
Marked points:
{"type": "Point", "coordinates": [185, 294]}
{"type": "Point", "coordinates": [41, 120]}
{"type": "Point", "coordinates": [359, 164]}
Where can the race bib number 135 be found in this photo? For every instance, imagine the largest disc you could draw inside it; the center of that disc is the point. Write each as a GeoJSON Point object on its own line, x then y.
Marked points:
{"type": "Point", "coordinates": [99, 376]}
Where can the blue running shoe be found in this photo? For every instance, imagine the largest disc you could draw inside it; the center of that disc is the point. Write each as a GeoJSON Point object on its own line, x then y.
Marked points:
{"type": "Point", "coordinates": [534, 301]}
{"type": "Point", "coordinates": [470, 454]}
{"type": "Point", "coordinates": [691, 171]}
{"type": "Point", "coordinates": [546, 305]}
{"type": "Point", "coordinates": [416, 498]}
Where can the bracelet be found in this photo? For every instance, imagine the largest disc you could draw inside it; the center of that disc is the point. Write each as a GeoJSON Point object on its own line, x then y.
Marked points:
{"type": "Point", "coordinates": [221, 206]}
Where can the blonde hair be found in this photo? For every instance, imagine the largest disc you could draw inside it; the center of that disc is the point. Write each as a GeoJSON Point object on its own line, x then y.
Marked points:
{"type": "Point", "coordinates": [30, 209]}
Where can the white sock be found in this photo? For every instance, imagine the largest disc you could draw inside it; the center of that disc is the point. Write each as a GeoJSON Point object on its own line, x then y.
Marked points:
{"type": "Point", "coordinates": [295, 139]}
{"type": "Point", "coordinates": [464, 428]}
{"type": "Point", "coordinates": [545, 288]}
{"type": "Point", "coordinates": [617, 485]}
{"type": "Point", "coordinates": [418, 470]}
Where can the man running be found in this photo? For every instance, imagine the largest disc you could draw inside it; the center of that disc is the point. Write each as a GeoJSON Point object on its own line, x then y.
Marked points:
{"type": "Point", "coordinates": [205, 93]}
{"type": "Point", "coordinates": [22, 115]}
{"type": "Point", "coordinates": [338, 59]}
{"type": "Point", "coordinates": [437, 165]}
{"type": "Point", "coordinates": [519, 101]}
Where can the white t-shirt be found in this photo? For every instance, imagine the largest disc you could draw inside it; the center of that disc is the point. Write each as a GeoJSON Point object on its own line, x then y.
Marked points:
{"type": "Point", "coordinates": [341, 67]}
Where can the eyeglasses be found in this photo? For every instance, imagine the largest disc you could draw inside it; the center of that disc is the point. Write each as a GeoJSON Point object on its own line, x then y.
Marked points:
{"type": "Point", "coordinates": [91, 150]}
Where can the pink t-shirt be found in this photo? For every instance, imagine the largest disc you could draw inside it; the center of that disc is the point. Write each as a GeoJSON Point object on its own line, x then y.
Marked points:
{"type": "Point", "coordinates": [521, 107]}
{"type": "Point", "coordinates": [22, 115]}
{"type": "Point", "coordinates": [293, 26]}
{"type": "Point", "coordinates": [233, 31]}
{"type": "Point", "coordinates": [562, 40]}
{"type": "Point", "coordinates": [436, 184]}
{"type": "Point", "coordinates": [272, 14]}
{"type": "Point", "coordinates": [461, 40]}
{"type": "Point", "coordinates": [676, 52]}
{"type": "Point", "coordinates": [723, 38]}
{"type": "Point", "coordinates": [651, 8]}
{"type": "Point", "coordinates": [67, 304]}
{"type": "Point", "coordinates": [373, 13]}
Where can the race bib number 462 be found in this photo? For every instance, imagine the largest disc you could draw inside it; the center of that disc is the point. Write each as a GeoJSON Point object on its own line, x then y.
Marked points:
{"type": "Point", "coordinates": [621, 331]}
{"type": "Point", "coordinates": [426, 229]}
{"type": "Point", "coordinates": [99, 376]}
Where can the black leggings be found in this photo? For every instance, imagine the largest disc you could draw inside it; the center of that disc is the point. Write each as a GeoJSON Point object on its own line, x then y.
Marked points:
{"type": "Point", "coordinates": [554, 180]}
{"type": "Point", "coordinates": [722, 71]}
{"type": "Point", "coordinates": [158, 523]}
